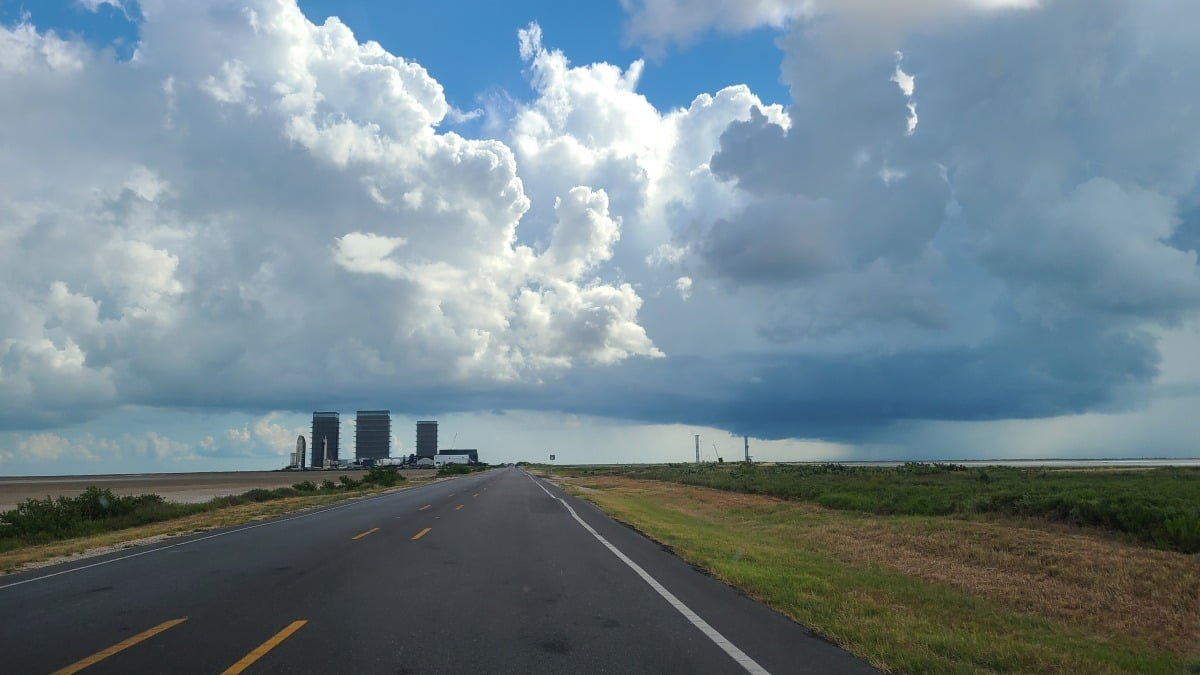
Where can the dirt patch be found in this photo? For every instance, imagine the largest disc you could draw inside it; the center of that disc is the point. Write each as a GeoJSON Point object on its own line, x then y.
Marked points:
{"type": "Point", "coordinates": [1119, 588]}
{"type": "Point", "coordinates": [177, 487]}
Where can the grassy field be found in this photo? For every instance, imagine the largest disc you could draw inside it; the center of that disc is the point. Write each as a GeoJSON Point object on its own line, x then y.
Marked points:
{"type": "Point", "coordinates": [929, 593]}
{"type": "Point", "coordinates": [1157, 507]}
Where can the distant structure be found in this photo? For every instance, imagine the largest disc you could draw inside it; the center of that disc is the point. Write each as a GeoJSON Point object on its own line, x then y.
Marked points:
{"type": "Point", "coordinates": [427, 442]}
{"type": "Point", "coordinates": [326, 430]}
{"type": "Point", "coordinates": [373, 434]}
{"type": "Point", "coordinates": [471, 453]}
{"type": "Point", "coordinates": [443, 459]}
{"type": "Point", "coordinates": [746, 440]}
{"type": "Point", "coordinates": [298, 455]}
{"type": "Point", "coordinates": [697, 448]}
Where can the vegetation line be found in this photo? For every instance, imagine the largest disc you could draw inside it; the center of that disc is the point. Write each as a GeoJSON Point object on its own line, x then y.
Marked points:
{"type": "Point", "coordinates": [97, 510]}
{"type": "Point", "coordinates": [1158, 507]}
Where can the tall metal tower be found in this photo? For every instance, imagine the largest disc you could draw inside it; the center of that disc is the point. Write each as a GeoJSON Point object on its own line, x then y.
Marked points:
{"type": "Point", "coordinates": [326, 431]}
{"type": "Point", "coordinates": [697, 448]}
{"type": "Point", "coordinates": [373, 434]}
{"type": "Point", "coordinates": [427, 438]}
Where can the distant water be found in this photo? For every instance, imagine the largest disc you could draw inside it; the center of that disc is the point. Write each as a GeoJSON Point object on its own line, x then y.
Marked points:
{"type": "Point", "coordinates": [1060, 463]}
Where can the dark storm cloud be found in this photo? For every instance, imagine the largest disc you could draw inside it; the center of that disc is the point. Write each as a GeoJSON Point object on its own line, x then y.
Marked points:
{"type": "Point", "coordinates": [1028, 374]}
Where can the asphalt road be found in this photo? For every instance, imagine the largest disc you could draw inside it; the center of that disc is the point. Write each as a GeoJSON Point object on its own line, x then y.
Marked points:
{"type": "Point", "coordinates": [488, 573]}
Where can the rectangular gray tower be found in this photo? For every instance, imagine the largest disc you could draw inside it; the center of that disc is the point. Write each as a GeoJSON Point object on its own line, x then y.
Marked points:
{"type": "Point", "coordinates": [373, 434]}
{"type": "Point", "coordinates": [326, 427]}
{"type": "Point", "coordinates": [427, 442]}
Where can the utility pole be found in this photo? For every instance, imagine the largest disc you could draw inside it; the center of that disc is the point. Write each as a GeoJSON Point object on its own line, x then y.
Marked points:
{"type": "Point", "coordinates": [697, 448]}
{"type": "Point", "coordinates": [746, 440]}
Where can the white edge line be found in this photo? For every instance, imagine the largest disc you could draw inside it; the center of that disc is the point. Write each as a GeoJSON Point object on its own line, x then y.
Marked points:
{"type": "Point", "coordinates": [711, 633]}
{"type": "Point", "coordinates": [211, 536]}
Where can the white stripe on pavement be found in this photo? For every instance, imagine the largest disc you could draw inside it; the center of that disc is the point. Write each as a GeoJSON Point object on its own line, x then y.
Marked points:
{"type": "Point", "coordinates": [738, 655]}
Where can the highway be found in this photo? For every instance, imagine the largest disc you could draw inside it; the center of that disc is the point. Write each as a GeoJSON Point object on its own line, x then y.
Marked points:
{"type": "Point", "coordinates": [496, 572]}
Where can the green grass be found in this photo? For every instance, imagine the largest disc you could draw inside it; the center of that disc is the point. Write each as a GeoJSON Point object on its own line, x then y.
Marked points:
{"type": "Point", "coordinates": [1157, 507]}
{"type": "Point", "coordinates": [899, 623]}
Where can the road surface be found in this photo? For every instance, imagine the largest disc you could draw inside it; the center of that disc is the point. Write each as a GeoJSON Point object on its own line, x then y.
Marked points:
{"type": "Point", "coordinates": [489, 573]}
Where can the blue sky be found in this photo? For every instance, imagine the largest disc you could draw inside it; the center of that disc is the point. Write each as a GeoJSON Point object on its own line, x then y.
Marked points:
{"type": "Point", "coordinates": [472, 48]}
{"type": "Point", "coordinates": [931, 230]}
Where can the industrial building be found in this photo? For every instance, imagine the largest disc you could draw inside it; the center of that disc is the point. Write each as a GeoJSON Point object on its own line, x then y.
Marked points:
{"type": "Point", "coordinates": [326, 431]}
{"type": "Point", "coordinates": [443, 459]}
{"type": "Point", "coordinates": [373, 434]}
{"type": "Point", "coordinates": [471, 453]}
{"type": "Point", "coordinates": [427, 440]}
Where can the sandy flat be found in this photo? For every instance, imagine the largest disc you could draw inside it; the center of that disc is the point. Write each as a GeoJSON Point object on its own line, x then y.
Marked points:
{"type": "Point", "coordinates": [178, 487]}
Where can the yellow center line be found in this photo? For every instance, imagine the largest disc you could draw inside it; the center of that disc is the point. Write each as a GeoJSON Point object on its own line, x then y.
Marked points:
{"type": "Point", "coordinates": [361, 535]}
{"type": "Point", "coordinates": [120, 646]}
{"type": "Point", "coordinates": [422, 533]}
{"type": "Point", "coordinates": [258, 652]}
{"type": "Point", "coordinates": [458, 508]}
{"type": "Point", "coordinates": [425, 507]}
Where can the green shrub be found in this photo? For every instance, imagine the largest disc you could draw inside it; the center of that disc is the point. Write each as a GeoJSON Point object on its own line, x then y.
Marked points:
{"type": "Point", "coordinates": [96, 510]}
{"type": "Point", "coordinates": [226, 501]}
{"type": "Point", "coordinates": [386, 476]}
{"type": "Point", "coordinates": [257, 495]}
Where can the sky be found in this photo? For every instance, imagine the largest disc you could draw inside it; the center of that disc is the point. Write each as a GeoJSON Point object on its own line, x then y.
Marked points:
{"type": "Point", "coordinates": [852, 230]}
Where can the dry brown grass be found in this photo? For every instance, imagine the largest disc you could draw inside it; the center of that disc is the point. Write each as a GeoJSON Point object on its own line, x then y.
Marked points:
{"type": "Point", "coordinates": [1118, 589]}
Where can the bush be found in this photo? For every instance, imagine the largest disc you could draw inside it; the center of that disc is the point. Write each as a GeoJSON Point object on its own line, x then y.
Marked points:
{"type": "Point", "coordinates": [97, 510]}
{"type": "Point", "coordinates": [257, 495]}
{"type": "Point", "coordinates": [94, 510]}
{"type": "Point", "coordinates": [386, 476]}
{"type": "Point", "coordinates": [454, 470]}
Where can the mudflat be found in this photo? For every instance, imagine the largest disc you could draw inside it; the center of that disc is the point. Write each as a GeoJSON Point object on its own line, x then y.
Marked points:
{"type": "Point", "coordinates": [177, 487]}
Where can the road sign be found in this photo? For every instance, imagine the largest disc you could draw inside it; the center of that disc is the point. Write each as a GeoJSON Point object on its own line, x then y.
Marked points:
{"type": "Point", "coordinates": [551, 458]}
